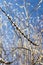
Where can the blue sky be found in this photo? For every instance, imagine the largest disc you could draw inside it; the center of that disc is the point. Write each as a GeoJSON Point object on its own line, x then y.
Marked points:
{"type": "Point", "coordinates": [33, 4]}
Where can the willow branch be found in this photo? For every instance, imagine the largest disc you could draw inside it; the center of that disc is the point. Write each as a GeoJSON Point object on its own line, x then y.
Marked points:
{"type": "Point", "coordinates": [13, 24]}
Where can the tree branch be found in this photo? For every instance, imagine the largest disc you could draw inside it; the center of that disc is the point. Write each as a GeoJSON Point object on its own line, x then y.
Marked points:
{"type": "Point", "coordinates": [13, 24]}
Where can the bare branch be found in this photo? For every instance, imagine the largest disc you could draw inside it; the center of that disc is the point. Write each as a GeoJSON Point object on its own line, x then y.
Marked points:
{"type": "Point", "coordinates": [13, 24]}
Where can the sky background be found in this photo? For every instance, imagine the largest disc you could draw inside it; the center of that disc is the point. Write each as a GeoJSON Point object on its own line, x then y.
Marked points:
{"type": "Point", "coordinates": [12, 9]}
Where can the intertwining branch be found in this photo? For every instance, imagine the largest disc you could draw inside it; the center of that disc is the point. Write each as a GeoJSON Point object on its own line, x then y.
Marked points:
{"type": "Point", "coordinates": [13, 24]}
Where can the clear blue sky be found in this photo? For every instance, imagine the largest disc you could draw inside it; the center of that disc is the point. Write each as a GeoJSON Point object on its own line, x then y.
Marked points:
{"type": "Point", "coordinates": [33, 3]}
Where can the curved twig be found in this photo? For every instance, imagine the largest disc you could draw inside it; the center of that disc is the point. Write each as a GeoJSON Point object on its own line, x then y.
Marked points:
{"type": "Point", "coordinates": [7, 62]}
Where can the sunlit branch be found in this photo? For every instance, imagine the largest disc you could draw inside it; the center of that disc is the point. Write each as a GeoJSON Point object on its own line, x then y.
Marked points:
{"type": "Point", "coordinates": [34, 9]}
